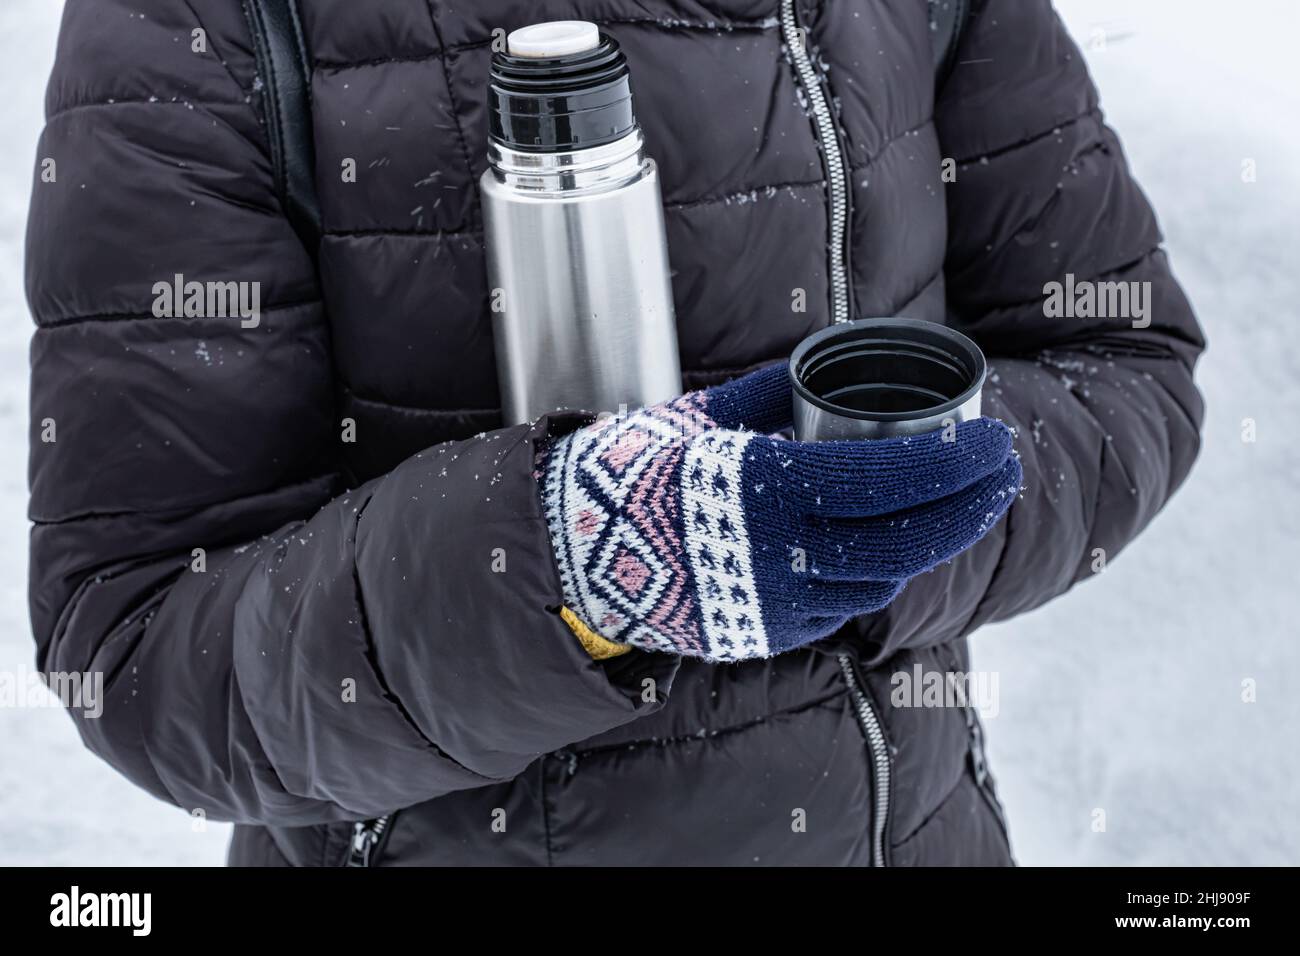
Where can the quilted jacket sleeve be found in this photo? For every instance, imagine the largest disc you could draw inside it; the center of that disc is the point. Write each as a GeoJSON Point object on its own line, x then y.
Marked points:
{"type": "Point", "coordinates": [1107, 413]}
{"type": "Point", "coordinates": [273, 650]}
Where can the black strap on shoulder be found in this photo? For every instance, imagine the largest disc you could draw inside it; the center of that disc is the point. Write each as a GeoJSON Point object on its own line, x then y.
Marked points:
{"type": "Point", "coordinates": [284, 68]}
{"type": "Point", "coordinates": [947, 20]}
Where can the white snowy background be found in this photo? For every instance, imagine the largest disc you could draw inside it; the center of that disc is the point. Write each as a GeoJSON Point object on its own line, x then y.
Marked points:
{"type": "Point", "coordinates": [1124, 696]}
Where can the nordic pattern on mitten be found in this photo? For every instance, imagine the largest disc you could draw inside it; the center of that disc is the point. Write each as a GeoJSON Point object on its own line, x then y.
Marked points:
{"type": "Point", "coordinates": [614, 508]}
{"type": "Point", "coordinates": [681, 527]}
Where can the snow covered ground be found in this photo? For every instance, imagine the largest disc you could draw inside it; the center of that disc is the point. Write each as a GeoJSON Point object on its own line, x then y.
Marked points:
{"type": "Point", "coordinates": [1125, 696]}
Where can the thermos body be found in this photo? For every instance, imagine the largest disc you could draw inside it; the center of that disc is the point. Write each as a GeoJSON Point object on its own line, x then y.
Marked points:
{"type": "Point", "coordinates": [582, 304]}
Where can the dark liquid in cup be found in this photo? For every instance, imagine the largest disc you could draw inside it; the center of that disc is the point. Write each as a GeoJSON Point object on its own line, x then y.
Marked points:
{"type": "Point", "coordinates": [886, 377]}
{"type": "Point", "coordinates": [885, 398]}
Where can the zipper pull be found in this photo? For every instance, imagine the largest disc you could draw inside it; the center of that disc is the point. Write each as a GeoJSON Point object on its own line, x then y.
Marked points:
{"type": "Point", "coordinates": [568, 758]}
{"type": "Point", "coordinates": [978, 764]}
{"type": "Point", "coordinates": [363, 842]}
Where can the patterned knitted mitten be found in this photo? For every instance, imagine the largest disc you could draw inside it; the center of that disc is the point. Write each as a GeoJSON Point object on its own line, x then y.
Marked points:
{"type": "Point", "coordinates": [685, 528]}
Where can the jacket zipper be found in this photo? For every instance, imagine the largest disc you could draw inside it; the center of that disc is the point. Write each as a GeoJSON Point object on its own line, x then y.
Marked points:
{"type": "Point", "coordinates": [836, 170]}
{"type": "Point", "coordinates": [979, 765]}
{"type": "Point", "coordinates": [980, 770]}
{"type": "Point", "coordinates": [837, 189]}
{"type": "Point", "coordinates": [366, 837]}
{"type": "Point", "coordinates": [879, 749]}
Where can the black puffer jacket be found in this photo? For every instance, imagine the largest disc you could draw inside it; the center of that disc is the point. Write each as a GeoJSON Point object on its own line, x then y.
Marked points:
{"type": "Point", "coordinates": [341, 649]}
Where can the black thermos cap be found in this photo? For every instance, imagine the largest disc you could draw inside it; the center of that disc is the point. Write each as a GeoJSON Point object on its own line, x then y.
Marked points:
{"type": "Point", "coordinates": [549, 104]}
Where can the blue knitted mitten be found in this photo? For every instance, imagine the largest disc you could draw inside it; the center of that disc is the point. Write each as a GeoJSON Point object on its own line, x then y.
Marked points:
{"type": "Point", "coordinates": [685, 528]}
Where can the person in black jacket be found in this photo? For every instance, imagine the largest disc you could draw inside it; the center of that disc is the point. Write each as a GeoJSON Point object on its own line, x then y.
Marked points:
{"type": "Point", "coordinates": [316, 575]}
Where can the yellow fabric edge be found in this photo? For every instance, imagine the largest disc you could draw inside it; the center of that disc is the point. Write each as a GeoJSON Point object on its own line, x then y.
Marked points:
{"type": "Point", "coordinates": [595, 645]}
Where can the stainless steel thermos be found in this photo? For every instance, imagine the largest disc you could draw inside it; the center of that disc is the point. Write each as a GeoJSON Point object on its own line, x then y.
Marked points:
{"type": "Point", "coordinates": [875, 378]}
{"type": "Point", "coordinates": [577, 258]}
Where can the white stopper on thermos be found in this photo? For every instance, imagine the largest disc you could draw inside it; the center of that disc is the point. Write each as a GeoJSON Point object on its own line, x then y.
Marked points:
{"type": "Point", "coordinates": [556, 38]}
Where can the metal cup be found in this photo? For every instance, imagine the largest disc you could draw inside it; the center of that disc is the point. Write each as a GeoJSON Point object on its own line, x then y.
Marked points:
{"type": "Point", "coordinates": [875, 378]}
